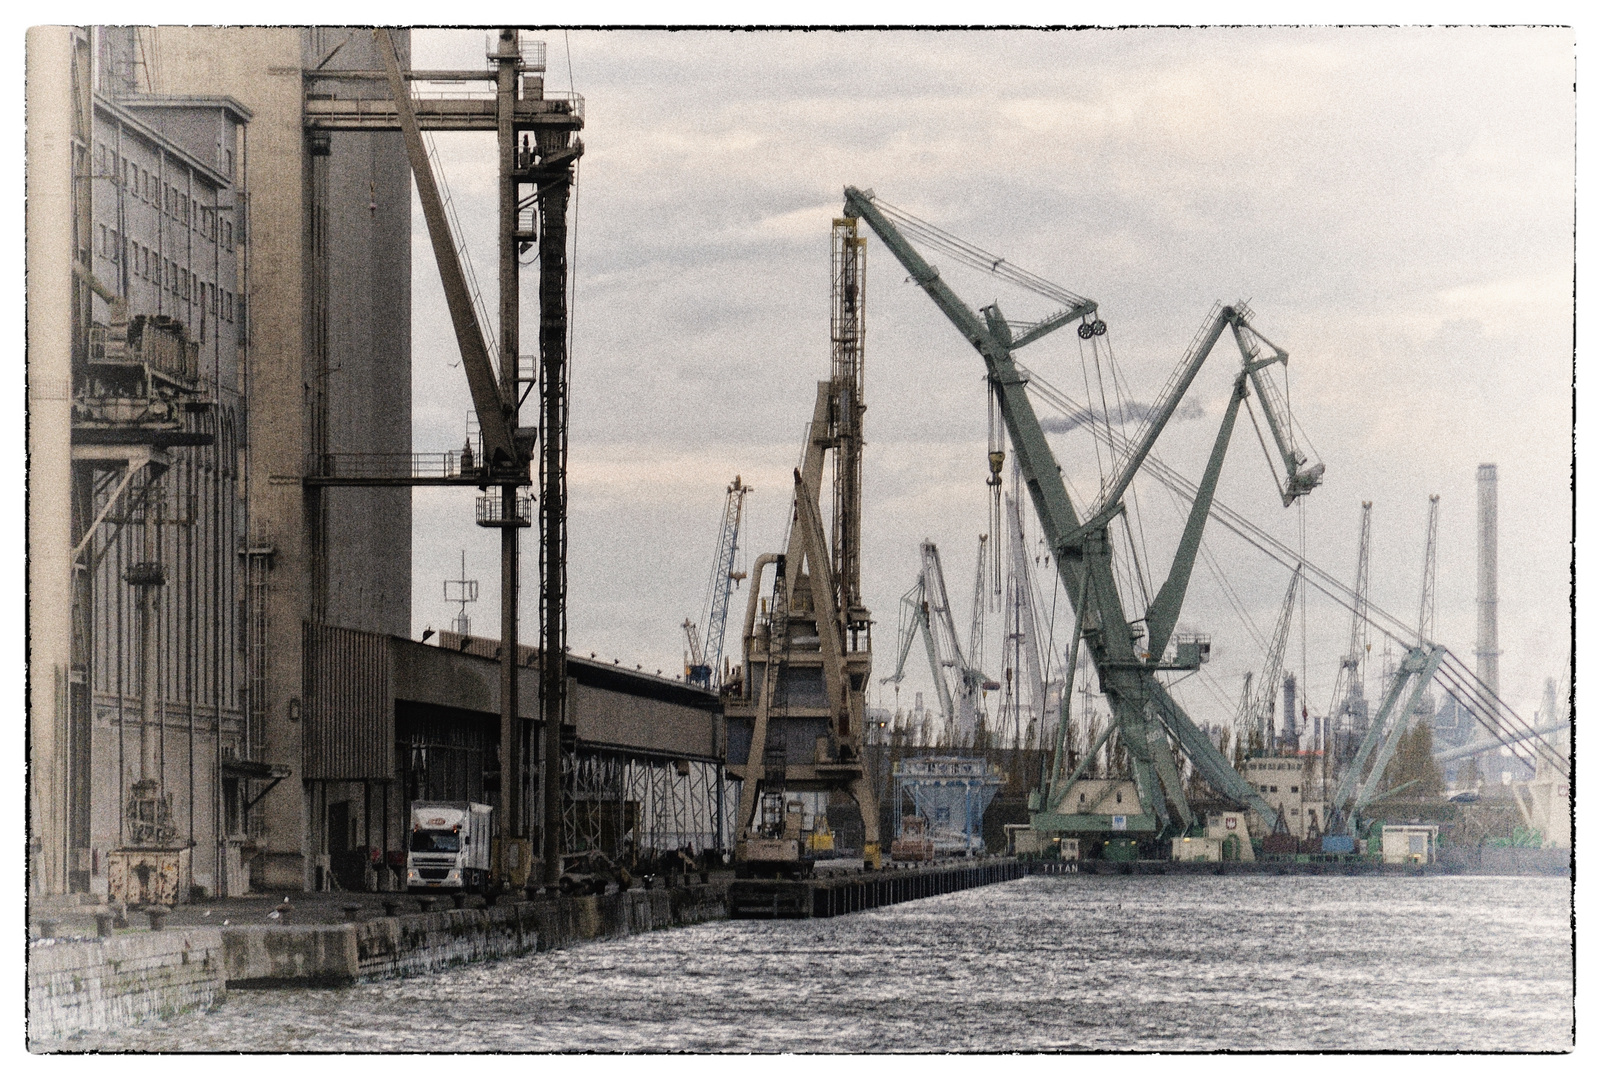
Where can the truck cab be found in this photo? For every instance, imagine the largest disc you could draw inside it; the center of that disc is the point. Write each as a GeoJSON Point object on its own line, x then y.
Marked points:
{"type": "Point", "coordinates": [448, 847]}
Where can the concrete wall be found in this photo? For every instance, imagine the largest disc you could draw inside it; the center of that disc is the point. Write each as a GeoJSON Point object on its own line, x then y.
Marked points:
{"type": "Point", "coordinates": [95, 986]}
{"type": "Point", "coordinates": [126, 979]}
{"type": "Point", "coordinates": [49, 331]}
{"type": "Point", "coordinates": [352, 375]}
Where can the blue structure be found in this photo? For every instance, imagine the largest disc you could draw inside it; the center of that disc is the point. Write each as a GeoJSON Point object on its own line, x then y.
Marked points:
{"type": "Point", "coordinates": [951, 794]}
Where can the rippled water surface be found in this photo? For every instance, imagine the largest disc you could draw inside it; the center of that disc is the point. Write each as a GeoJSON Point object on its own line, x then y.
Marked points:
{"type": "Point", "coordinates": [1070, 963]}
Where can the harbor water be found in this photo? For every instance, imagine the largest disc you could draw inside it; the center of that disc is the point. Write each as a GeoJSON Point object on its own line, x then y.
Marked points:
{"type": "Point", "coordinates": [1039, 964]}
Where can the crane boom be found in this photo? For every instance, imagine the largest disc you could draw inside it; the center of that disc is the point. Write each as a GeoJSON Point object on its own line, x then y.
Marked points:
{"type": "Point", "coordinates": [1348, 688]}
{"type": "Point", "coordinates": [1143, 711]}
{"type": "Point", "coordinates": [1267, 686]}
{"type": "Point", "coordinates": [707, 656]}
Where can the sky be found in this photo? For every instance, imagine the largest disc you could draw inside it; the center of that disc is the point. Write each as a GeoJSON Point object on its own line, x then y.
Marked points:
{"type": "Point", "coordinates": [1397, 205]}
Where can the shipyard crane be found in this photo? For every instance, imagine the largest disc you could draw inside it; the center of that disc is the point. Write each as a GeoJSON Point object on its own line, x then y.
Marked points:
{"type": "Point", "coordinates": [1255, 711]}
{"type": "Point", "coordinates": [798, 724]}
{"type": "Point", "coordinates": [1027, 681]}
{"type": "Point", "coordinates": [1144, 713]}
{"type": "Point", "coordinates": [926, 609]}
{"type": "Point", "coordinates": [706, 656]}
{"type": "Point", "coordinates": [1425, 705]}
{"type": "Point", "coordinates": [1359, 780]}
{"type": "Point", "coordinates": [1348, 709]}
{"type": "Point", "coordinates": [915, 624]}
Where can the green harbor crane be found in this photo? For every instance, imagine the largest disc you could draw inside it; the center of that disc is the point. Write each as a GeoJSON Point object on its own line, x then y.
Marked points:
{"type": "Point", "coordinates": [1126, 658]}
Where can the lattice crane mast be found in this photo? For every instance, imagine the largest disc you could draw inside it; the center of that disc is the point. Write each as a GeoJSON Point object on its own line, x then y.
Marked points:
{"type": "Point", "coordinates": [916, 622]}
{"type": "Point", "coordinates": [1261, 705]}
{"type": "Point", "coordinates": [1022, 629]}
{"type": "Point", "coordinates": [1348, 711]}
{"type": "Point", "coordinates": [706, 655]}
{"type": "Point", "coordinates": [1144, 713]}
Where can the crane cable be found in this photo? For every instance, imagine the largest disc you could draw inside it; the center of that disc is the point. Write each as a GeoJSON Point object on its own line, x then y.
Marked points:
{"type": "Point", "coordinates": [1325, 582]}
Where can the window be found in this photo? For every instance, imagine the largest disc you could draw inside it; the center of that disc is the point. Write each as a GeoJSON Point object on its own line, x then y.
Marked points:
{"type": "Point", "coordinates": [227, 305]}
{"type": "Point", "coordinates": [1294, 789]}
{"type": "Point", "coordinates": [115, 246]}
{"type": "Point", "coordinates": [1119, 796]}
{"type": "Point", "coordinates": [1264, 789]}
{"type": "Point", "coordinates": [227, 235]}
{"type": "Point", "coordinates": [1274, 788]}
{"type": "Point", "coordinates": [103, 243]}
{"type": "Point", "coordinates": [227, 162]}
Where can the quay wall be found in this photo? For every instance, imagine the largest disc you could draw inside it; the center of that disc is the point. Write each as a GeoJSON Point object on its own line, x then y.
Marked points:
{"type": "Point", "coordinates": [129, 978]}
{"type": "Point", "coordinates": [121, 980]}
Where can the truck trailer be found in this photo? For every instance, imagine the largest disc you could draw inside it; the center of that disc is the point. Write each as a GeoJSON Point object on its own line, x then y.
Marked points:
{"type": "Point", "coordinates": [449, 847]}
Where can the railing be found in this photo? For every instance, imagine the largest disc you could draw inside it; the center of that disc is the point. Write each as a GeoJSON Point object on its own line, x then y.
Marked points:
{"type": "Point", "coordinates": [442, 465]}
{"type": "Point", "coordinates": [573, 101]}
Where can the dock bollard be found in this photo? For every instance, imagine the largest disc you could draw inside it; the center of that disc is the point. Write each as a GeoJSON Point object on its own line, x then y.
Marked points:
{"type": "Point", "coordinates": [425, 904]}
{"type": "Point", "coordinates": [157, 914]}
{"type": "Point", "coordinates": [458, 900]}
{"type": "Point", "coordinates": [119, 915]}
{"type": "Point", "coordinates": [391, 907]}
{"type": "Point", "coordinates": [104, 921]}
{"type": "Point", "coordinates": [351, 911]}
{"type": "Point", "coordinates": [48, 928]}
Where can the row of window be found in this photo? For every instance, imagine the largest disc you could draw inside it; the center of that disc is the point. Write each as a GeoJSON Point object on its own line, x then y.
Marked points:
{"type": "Point", "coordinates": [164, 273]}
{"type": "Point", "coordinates": [178, 205]}
{"type": "Point", "coordinates": [1274, 788]}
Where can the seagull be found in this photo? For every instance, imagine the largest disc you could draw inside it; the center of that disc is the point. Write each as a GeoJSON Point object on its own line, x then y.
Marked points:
{"type": "Point", "coordinates": [272, 914]}
{"type": "Point", "coordinates": [207, 915]}
{"type": "Point", "coordinates": [226, 922]}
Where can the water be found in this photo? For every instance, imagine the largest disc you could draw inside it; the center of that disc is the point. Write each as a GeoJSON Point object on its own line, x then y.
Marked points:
{"type": "Point", "coordinates": [1069, 963]}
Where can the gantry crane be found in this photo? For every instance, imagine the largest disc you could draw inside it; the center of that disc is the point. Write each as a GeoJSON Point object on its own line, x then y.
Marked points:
{"type": "Point", "coordinates": [706, 655]}
{"type": "Point", "coordinates": [798, 725]}
{"type": "Point", "coordinates": [1127, 661]}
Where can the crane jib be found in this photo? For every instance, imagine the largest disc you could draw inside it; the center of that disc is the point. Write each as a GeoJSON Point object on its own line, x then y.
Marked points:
{"type": "Point", "coordinates": [1142, 708]}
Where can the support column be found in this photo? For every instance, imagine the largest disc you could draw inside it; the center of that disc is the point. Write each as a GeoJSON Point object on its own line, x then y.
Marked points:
{"type": "Point", "coordinates": [553, 487]}
{"type": "Point", "coordinates": [511, 809]}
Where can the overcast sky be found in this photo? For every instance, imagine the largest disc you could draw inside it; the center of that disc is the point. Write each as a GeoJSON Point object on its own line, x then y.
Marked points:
{"type": "Point", "coordinates": [1397, 205]}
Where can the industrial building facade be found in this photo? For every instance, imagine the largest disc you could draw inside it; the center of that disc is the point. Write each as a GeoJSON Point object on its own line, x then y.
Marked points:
{"type": "Point", "coordinates": [214, 301]}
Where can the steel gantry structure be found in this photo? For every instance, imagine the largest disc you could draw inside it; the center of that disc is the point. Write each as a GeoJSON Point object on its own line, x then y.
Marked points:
{"type": "Point", "coordinates": [535, 180]}
{"type": "Point", "coordinates": [797, 723]}
{"type": "Point", "coordinates": [1144, 714]}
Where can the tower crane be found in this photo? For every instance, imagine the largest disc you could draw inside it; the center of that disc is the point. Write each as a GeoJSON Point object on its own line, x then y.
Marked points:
{"type": "Point", "coordinates": [706, 655]}
{"type": "Point", "coordinates": [1425, 706]}
{"type": "Point", "coordinates": [1255, 711]}
{"type": "Point", "coordinates": [1144, 713]}
{"type": "Point", "coordinates": [1348, 709]}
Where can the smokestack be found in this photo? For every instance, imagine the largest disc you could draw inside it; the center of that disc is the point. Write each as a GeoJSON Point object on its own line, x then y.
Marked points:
{"type": "Point", "coordinates": [1486, 649]}
{"type": "Point", "coordinates": [1292, 740]}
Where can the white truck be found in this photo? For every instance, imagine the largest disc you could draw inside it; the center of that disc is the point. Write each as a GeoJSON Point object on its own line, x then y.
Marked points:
{"type": "Point", "coordinates": [449, 847]}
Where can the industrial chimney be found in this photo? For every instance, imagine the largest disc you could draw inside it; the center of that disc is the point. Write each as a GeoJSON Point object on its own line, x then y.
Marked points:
{"type": "Point", "coordinates": [1489, 655]}
{"type": "Point", "coordinates": [1292, 738]}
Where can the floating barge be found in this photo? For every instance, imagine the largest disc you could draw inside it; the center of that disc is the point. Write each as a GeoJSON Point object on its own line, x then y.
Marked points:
{"type": "Point", "coordinates": [842, 893]}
